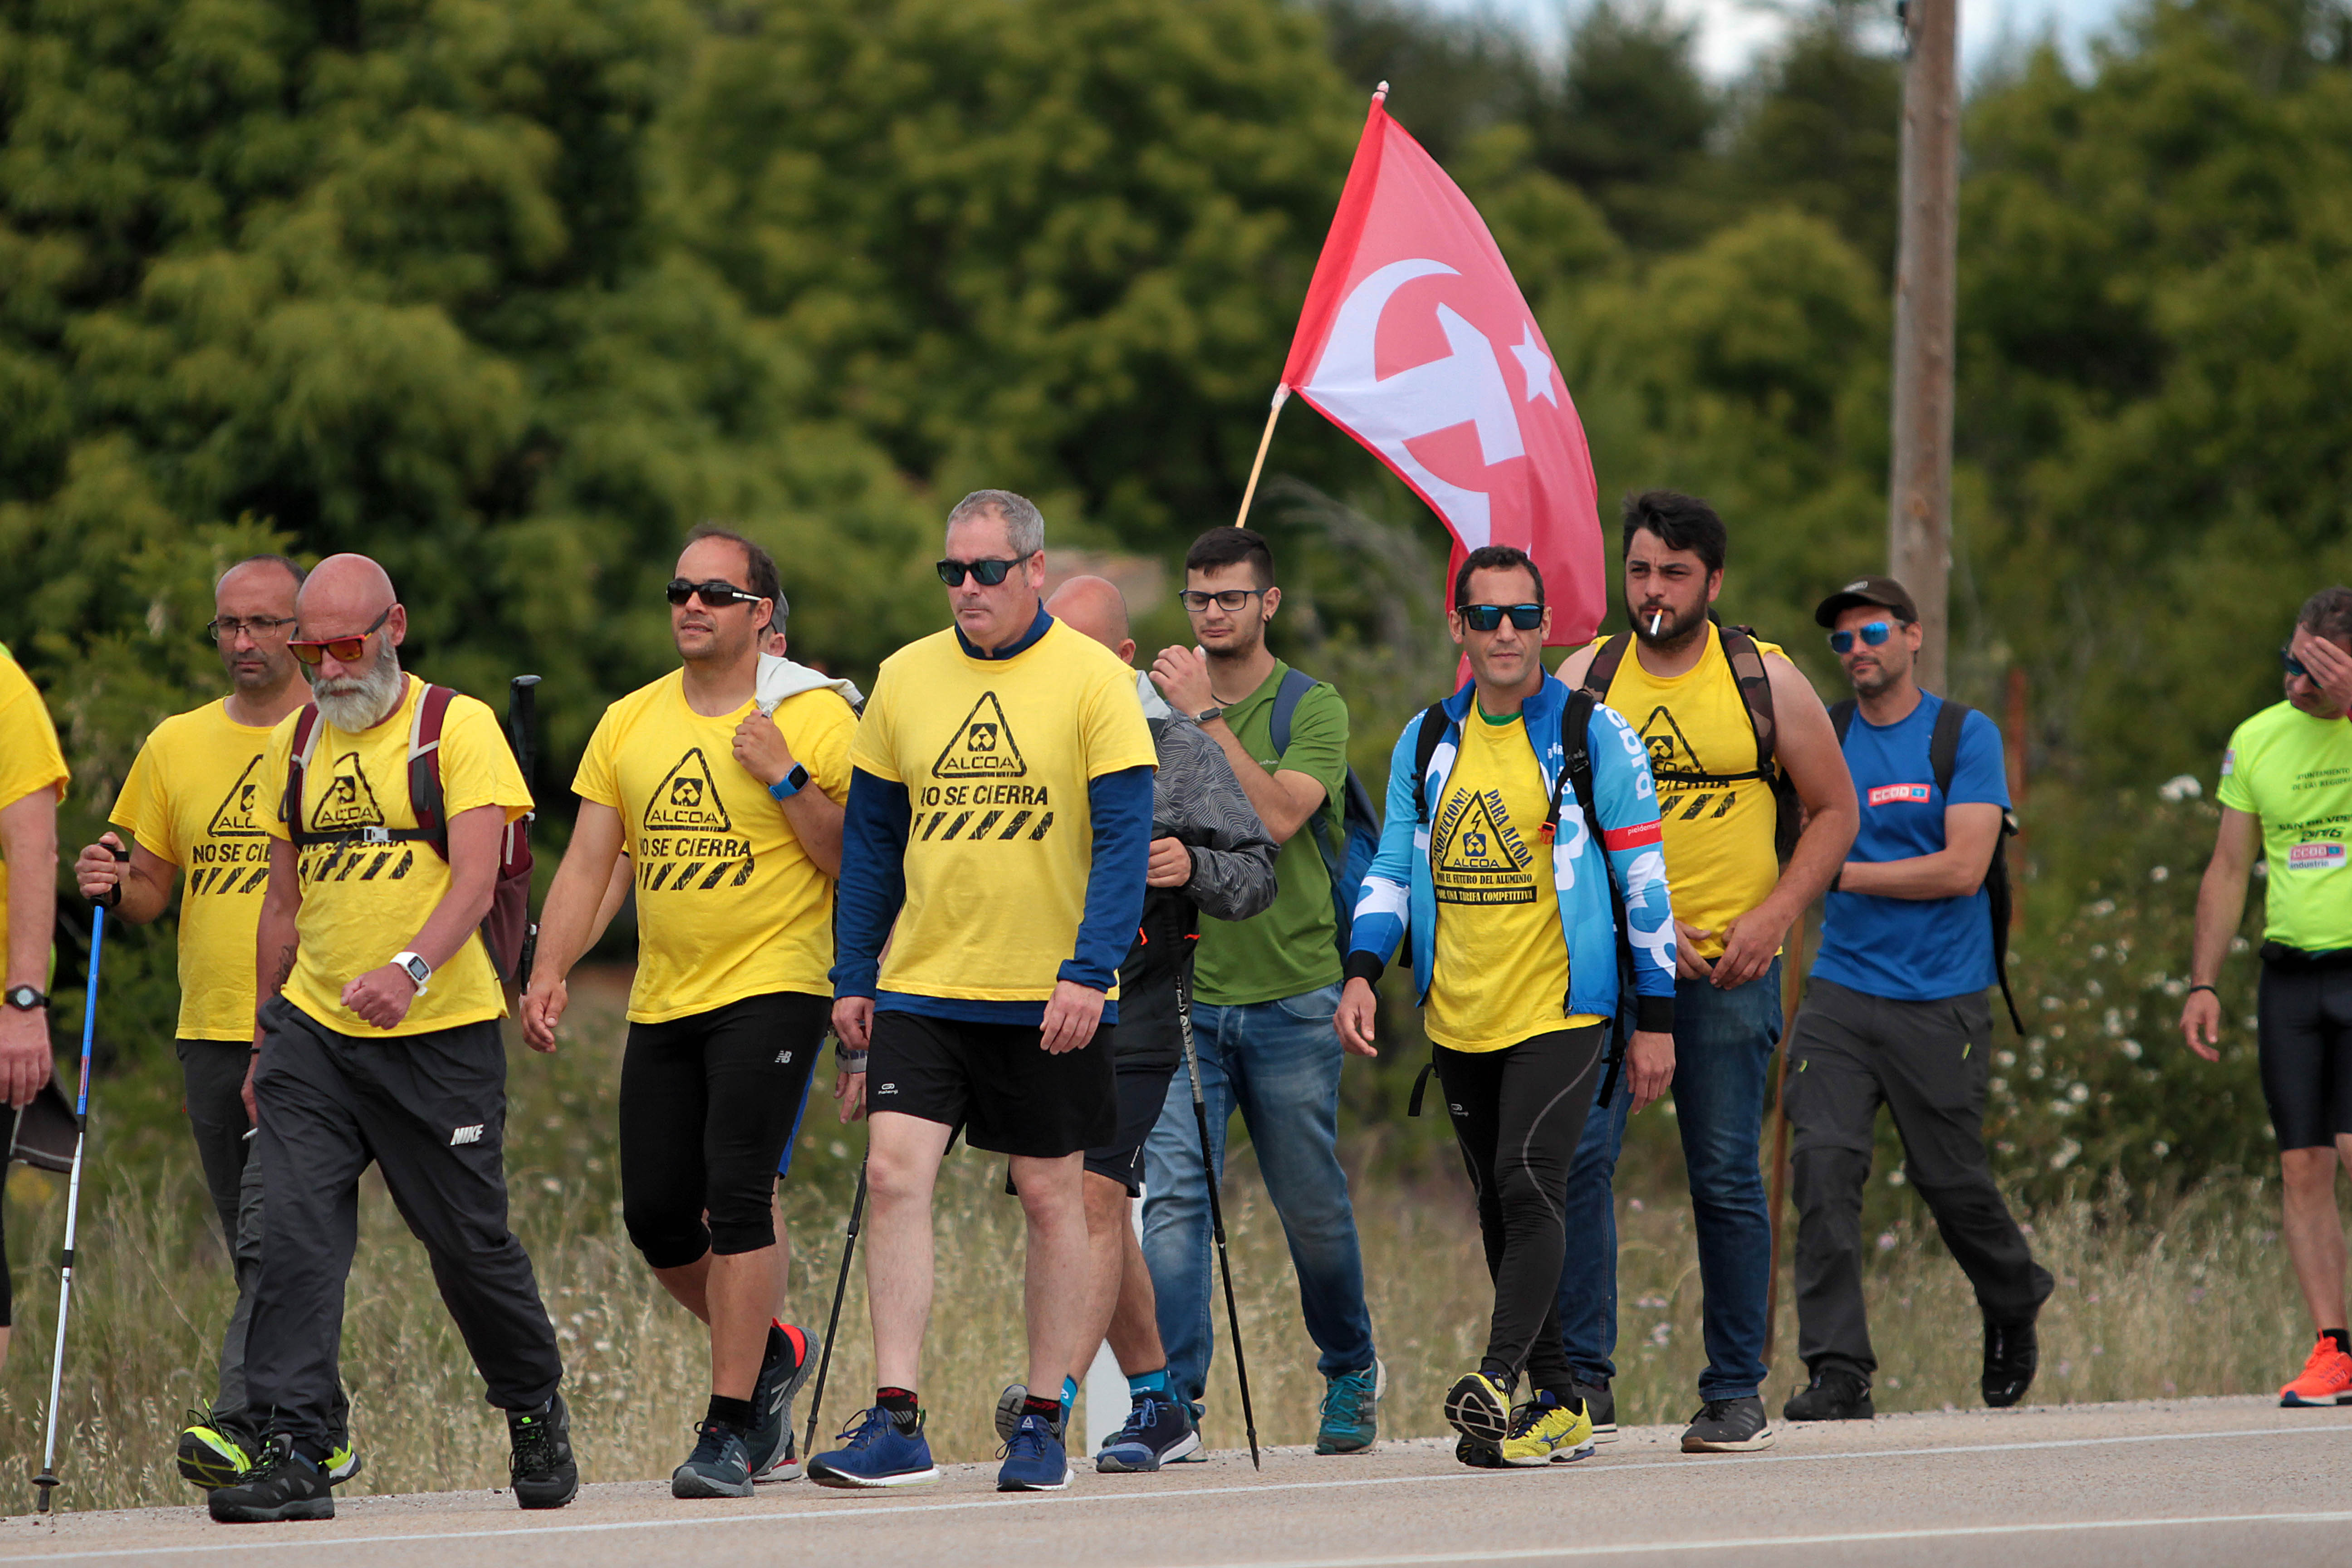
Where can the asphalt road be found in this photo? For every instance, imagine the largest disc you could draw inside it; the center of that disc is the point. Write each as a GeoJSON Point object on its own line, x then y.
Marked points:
{"type": "Point", "coordinates": [2225, 1481]}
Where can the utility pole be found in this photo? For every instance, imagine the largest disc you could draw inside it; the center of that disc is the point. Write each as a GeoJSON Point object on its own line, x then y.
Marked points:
{"type": "Point", "coordinates": [1919, 489]}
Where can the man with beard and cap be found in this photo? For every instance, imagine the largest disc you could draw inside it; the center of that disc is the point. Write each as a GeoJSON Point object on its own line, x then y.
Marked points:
{"type": "Point", "coordinates": [1896, 1013]}
{"type": "Point", "coordinates": [1210, 856]}
{"type": "Point", "coordinates": [377, 1041]}
{"type": "Point", "coordinates": [195, 801]}
{"type": "Point", "coordinates": [1738, 740]}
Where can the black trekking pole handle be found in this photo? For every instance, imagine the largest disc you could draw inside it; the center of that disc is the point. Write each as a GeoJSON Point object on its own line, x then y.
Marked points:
{"type": "Point", "coordinates": [832, 1323]}
{"type": "Point", "coordinates": [522, 721]}
{"type": "Point", "coordinates": [113, 895]}
{"type": "Point", "coordinates": [1216, 1209]}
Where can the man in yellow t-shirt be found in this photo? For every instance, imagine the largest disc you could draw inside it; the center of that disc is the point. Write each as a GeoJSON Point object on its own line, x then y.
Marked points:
{"type": "Point", "coordinates": [1512, 902]}
{"type": "Point", "coordinates": [32, 782]}
{"type": "Point", "coordinates": [1674, 682]}
{"type": "Point", "coordinates": [197, 801]}
{"type": "Point", "coordinates": [377, 1042]}
{"type": "Point", "coordinates": [1000, 812]}
{"type": "Point", "coordinates": [729, 816]}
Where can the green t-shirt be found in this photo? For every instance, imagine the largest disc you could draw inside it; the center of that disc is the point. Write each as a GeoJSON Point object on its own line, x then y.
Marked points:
{"type": "Point", "coordinates": [1293, 947]}
{"type": "Point", "coordinates": [2295, 771]}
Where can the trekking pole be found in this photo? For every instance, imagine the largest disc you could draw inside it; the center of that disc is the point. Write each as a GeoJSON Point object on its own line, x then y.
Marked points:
{"type": "Point", "coordinates": [1792, 991]}
{"type": "Point", "coordinates": [45, 1482]}
{"type": "Point", "coordinates": [825, 1357]}
{"type": "Point", "coordinates": [1216, 1208]}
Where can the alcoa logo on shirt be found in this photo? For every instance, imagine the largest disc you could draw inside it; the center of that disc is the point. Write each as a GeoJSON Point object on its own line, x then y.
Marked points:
{"type": "Point", "coordinates": [1891, 794]}
{"type": "Point", "coordinates": [2323, 856]}
{"type": "Point", "coordinates": [978, 795]}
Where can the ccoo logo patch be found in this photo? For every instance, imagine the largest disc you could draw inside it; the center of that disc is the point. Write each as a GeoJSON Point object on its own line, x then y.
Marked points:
{"type": "Point", "coordinates": [2325, 855]}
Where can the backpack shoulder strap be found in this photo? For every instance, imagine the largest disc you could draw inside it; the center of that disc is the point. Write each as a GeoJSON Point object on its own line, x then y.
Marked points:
{"type": "Point", "coordinates": [424, 726]}
{"type": "Point", "coordinates": [1603, 668]}
{"type": "Point", "coordinates": [1425, 742]}
{"type": "Point", "coordinates": [1842, 718]}
{"type": "Point", "coordinates": [1755, 683]}
{"type": "Point", "coordinates": [1575, 760]}
{"type": "Point", "coordinates": [1296, 684]}
{"type": "Point", "coordinates": [297, 767]}
{"type": "Point", "coordinates": [1944, 743]}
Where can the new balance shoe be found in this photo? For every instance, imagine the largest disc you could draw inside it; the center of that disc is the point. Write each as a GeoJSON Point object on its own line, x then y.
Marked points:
{"type": "Point", "coordinates": [2325, 1379]}
{"type": "Point", "coordinates": [790, 1357]}
{"type": "Point", "coordinates": [1477, 1407]}
{"type": "Point", "coordinates": [1546, 1432]}
{"type": "Point", "coordinates": [1602, 1405]}
{"type": "Point", "coordinates": [875, 1452]}
{"type": "Point", "coordinates": [718, 1467]}
{"type": "Point", "coordinates": [786, 1466]}
{"type": "Point", "coordinates": [540, 1466]}
{"type": "Point", "coordinates": [1034, 1459]}
{"type": "Point", "coordinates": [1835, 1394]}
{"type": "Point", "coordinates": [283, 1483]}
{"type": "Point", "coordinates": [1350, 1417]}
{"type": "Point", "coordinates": [1728, 1426]}
{"type": "Point", "coordinates": [216, 1450]}
{"type": "Point", "coordinates": [1158, 1431]}
{"type": "Point", "coordinates": [2011, 1352]}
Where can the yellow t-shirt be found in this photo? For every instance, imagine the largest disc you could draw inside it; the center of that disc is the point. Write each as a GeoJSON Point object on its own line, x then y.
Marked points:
{"type": "Point", "coordinates": [29, 758]}
{"type": "Point", "coordinates": [197, 798]}
{"type": "Point", "coordinates": [729, 904]}
{"type": "Point", "coordinates": [361, 903]}
{"type": "Point", "coordinates": [1501, 973]}
{"type": "Point", "coordinates": [1718, 837]}
{"type": "Point", "coordinates": [996, 756]}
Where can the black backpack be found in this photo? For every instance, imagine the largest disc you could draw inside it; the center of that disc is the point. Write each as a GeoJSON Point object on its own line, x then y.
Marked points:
{"type": "Point", "coordinates": [1346, 860]}
{"type": "Point", "coordinates": [1943, 757]}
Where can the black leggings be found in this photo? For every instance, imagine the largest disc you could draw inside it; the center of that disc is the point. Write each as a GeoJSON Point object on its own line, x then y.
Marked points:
{"type": "Point", "coordinates": [707, 1104]}
{"type": "Point", "coordinates": [1518, 1113]}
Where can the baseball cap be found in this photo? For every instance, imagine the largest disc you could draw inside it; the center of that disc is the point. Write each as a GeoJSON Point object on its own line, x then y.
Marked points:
{"type": "Point", "coordinates": [1882, 592]}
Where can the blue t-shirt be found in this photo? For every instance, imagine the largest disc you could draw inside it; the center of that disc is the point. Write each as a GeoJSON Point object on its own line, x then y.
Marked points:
{"type": "Point", "coordinates": [1912, 949]}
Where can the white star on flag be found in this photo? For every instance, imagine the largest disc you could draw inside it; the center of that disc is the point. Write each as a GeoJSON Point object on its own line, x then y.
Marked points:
{"type": "Point", "coordinates": [1538, 366]}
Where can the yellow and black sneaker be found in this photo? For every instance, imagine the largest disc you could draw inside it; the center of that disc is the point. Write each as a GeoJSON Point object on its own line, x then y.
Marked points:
{"type": "Point", "coordinates": [1477, 1407]}
{"type": "Point", "coordinates": [1546, 1432]}
{"type": "Point", "coordinates": [342, 1461]}
{"type": "Point", "coordinates": [216, 1450]}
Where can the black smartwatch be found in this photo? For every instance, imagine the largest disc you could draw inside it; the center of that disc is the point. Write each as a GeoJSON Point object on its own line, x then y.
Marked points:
{"type": "Point", "coordinates": [25, 999]}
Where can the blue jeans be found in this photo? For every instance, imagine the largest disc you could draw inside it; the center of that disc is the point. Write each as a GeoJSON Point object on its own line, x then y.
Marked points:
{"type": "Point", "coordinates": [1723, 1051]}
{"type": "Point", "coordinates": [1278, 1064]}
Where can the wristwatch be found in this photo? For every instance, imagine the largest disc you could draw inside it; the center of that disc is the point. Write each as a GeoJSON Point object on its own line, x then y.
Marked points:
{"type": "Point", "coordinates": [418, 969]}
{"type": "Point", "coordinates": [25, 999]}
{"type": "Point", "coordinates": [790, 784]}
{"type": "Point", "coordinates": [1205, 714]}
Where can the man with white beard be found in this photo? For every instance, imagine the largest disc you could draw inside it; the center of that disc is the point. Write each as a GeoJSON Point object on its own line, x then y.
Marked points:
{"type": "Point", "coordinates": [377, 1041]}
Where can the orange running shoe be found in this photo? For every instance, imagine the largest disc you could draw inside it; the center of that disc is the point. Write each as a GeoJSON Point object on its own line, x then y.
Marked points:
{"type": "Point", "coordinates": [2327, 1377]}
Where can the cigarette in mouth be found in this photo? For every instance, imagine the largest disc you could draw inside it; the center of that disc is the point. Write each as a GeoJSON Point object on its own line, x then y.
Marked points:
{"type": "Point", "coordinates": [1657, 619]}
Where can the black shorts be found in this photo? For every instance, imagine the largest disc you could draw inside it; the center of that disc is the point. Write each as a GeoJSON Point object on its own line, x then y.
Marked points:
{"type": "Point", "coordinates": [996, 1081]}
{"type": "Point", "coordinates": [2304, 1022]}
{"type": "Point", "coordinates": [1142, 1084]}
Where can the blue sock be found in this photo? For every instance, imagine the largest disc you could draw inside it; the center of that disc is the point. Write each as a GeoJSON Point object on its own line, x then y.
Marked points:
{"type": "Point", "coordinates": [1148, 1382]}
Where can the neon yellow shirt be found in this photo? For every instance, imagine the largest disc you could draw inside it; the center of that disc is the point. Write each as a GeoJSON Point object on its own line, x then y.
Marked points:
{"type": "Point", "coordinates": [996, 756]}
{"type": "Point", "coordinates": [29, 757]}
{"type": "Point", "coordinates": [1501, 971]}
{"type": "Point", "coordinates": [363, 903]}
{"type": "Point", "coordinates": [729, 904]}
{"type": "Point", "coordinates": [197, 799]}
{"type": "Point", "coordinates": [2295, 771]}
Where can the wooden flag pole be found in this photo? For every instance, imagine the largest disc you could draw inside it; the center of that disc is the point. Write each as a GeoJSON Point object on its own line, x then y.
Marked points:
{"type": "Point", "coordinates": [1281, 397]}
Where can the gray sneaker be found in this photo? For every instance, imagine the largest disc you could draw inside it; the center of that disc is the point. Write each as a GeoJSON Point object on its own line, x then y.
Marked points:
{"type": "Point", "coordinates": [1728, 1426]}
{"type": "Point", "coordinates": [1602, 1405]}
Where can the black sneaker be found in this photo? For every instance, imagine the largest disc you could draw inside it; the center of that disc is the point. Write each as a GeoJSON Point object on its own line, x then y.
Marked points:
{"type": "Point", "coordinates": [1835, 1394]}
{"type": "Point", "coordinates": [1728, 1426]}
{"type": "Point", "coordinates": [790, 1359]}
{"type": "Point", "coordinates": [1480, 1454]}
{"type": "Point", "coordinates": [718, 1467]}
{"type": "Point", "coordinates": [281, 1484]}
{"type": "Point", "coordinates": [1602, 1405]}
{"type": "Point", "coordinates": [2012, 1352]}
{"type": "Point", "coordinates": [540, 1466]}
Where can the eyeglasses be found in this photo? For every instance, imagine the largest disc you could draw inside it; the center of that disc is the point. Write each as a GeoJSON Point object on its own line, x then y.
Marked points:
{"type": "Point", "coordinates": [987, 574]}
{"type": "Point", "coordinates": [2293, 665]}
{"type": "Point", "coordinates": [1486, 617]}
{"type": "Point", "coordinates": [345, 650]}
{"type": "Point", "coordinates": [1227, 600]}
{"type": "Point", "coordinates": [225, 628]}
{"type": "Point", "coordinates": [716, 595]}
{"type": "Point", "coordinates": [1873, 634]}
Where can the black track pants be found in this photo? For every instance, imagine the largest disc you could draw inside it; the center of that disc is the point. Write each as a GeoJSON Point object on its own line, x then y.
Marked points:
{"type": "Point", "coordinates": [1518, 1113]}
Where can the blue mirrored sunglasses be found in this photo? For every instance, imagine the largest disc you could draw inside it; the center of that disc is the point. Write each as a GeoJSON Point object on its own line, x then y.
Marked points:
{"type": "Point", "coordinates": [2293, 665]}
{"type": "Point", "coordinates": [1873, 634]}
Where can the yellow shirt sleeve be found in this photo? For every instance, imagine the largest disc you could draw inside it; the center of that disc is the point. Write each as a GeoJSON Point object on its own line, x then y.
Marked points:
{"type": "Point", "coordinates": [1117, 735]}
{"type": "Point", "coordinates": [596, 780]}
{"type": "Point", "coordinates": [875, 748]}
{"type": "Point", "coordinates": [141, 810]}
{"type": "Point", "coordinates": [477, 767]}
{"type": "Point", "coordinates": [29, 757]}
{"type": "Point", "coordinates": [275, 759]}
{"type": "Point", "coordinates": [820, 729]}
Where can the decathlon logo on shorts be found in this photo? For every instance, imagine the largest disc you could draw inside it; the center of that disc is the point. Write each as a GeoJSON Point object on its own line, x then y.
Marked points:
{"type": "Point", "coordinates": [888, 1088]}
{"type": "Point", "coordinates": [467, 1135]}
{"type": "Point", "coordinates": [2321, 856]}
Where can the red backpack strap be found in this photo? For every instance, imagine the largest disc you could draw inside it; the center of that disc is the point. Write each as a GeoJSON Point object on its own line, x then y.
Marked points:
{"type": "Point", "coordinates": [425, 799]}
{"type": "Point", "coordinates": [297, 765]}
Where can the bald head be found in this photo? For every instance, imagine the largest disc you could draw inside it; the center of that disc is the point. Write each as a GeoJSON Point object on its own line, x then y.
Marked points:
{"type": "Point", "coordinates": [1095, 605]}
{"type": "Point", "coordinates": [341, 596]}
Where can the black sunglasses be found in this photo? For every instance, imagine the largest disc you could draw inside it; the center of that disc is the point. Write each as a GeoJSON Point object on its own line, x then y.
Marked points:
{"type": "Point", "coordinates": [1486, 617]}
{"type": "Point", "coordinates": [2293, 665]}
{"type": "Point", "coordinates": [989, 572]}
{"type": "Point", "coordinates": [716, 595]}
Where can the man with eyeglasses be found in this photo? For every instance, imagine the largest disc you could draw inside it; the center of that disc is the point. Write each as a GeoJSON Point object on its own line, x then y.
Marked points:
{"type": "Point", "coordinates": [1738, 740]}
{"type": "Point", "coordinates": [1897, 1014]}
{"type": "Point", "coordinates": [1521, 822]}
{"type": "Point", "coordinates": [1000, 813]}
{"type": "Point", "coordinates": [729, 816]}
{"type": "Point", "coordinates": [2286, 793]}
{"type": "Point", "coordinates": [195, 801]}
{"type": "Point", "coordinates": [33, 777]}
{"type": "Point", "coordinates": [1265, 993]}
{"type": "Point", "coordinates": [377, 1041]}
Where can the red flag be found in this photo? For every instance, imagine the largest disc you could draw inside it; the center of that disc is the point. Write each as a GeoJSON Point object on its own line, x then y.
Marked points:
{"type": "Point", "coordinates": [1416, 341]}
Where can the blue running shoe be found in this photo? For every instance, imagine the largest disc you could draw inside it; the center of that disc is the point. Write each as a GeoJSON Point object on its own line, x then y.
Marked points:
{"type": "Point", "coordinates": [875, 1454]}
{"type": "Point", "coordinates": [1035, 1460]}
{"type": "Point", "coordinates": [1158, 1431]}
{"type": "Point", "coordinates": [1352, 1404]}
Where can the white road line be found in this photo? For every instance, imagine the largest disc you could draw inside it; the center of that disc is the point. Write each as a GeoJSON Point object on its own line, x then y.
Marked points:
{"type": "Point", "coordinates": [307, 1541]}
